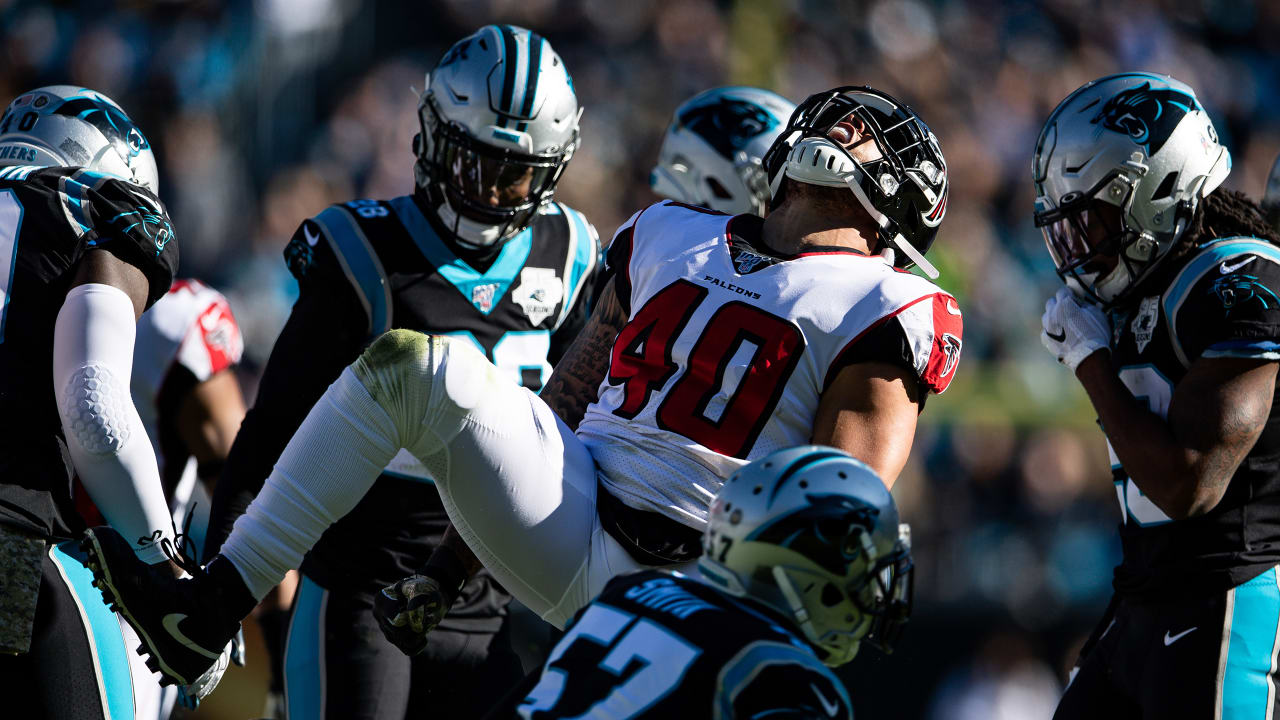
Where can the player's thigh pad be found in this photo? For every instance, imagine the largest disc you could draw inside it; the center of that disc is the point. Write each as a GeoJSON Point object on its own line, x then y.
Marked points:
{"type": "Point", "coordinates": [515, 481]}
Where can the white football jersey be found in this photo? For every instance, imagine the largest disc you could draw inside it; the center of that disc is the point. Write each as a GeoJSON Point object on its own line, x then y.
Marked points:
{"type": "Point", "coordinates": [727, 350]}
{"type": "Point", "coordinates": [191, 326]}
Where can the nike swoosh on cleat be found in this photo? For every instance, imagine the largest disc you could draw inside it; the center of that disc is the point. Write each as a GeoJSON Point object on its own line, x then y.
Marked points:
{"type": "Point", "coordinates": [1060, 337]}
{"type": "Point", "coordinates": [1171, 639]}
{"type": "Point", "coordinates": [312, 238]}
{"type": "Point", "coordinates": [171, 625]}
{"type": "Point", "coordinates": [828, 706]}
{"type": "Point", "coordinates": [1226, 269]}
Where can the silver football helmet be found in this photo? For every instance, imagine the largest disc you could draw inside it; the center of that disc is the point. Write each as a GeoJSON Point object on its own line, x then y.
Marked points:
{"type": "Point", "coordinates": [1119, 169]}
{"type": "Point", "coordinates": [814, 534]}
{"type": "Point", "coordinates": [68, 126]}
{"type": "Point", "coordinates": [499, 123]}
{"type": "Point", "coordinates": [711, 155]}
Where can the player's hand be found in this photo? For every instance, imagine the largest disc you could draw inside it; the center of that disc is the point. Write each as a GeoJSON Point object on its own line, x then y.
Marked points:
{"type": "Point", "coordinates": [408, 610]}
{"type": "Point", "coordinates": [189, 696]}
{"type": "Point", "coordinates": [1073, 330]}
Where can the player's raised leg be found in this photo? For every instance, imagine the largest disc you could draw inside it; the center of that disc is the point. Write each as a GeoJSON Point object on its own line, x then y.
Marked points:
{"type": "Point", "coordinates": [509, 470]}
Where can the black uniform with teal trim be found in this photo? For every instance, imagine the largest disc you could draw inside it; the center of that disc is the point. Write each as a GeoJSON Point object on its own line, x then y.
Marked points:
{"type": "Point", "coordinates": [78, 663]}
{"type": "Point", "coordinates": [363, 268]}
{"type": "Point", "coordinates": [658, 644]}
{"type": "Point", "coordinates": [49, 219]}
{"type": "Point", "coordinates": [1215, 572]}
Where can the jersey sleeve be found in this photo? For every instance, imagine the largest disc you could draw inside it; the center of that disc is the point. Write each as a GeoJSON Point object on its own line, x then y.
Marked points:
{"type": "Point", "coordinates": [617, 262]}
{"type": "Point", "coordinates": [1226, 303]}
{"type": "Point", "coordinates": [772, 681]}
{"type": "Point", "coordinates": [923, 336]}
{"type": "Point", "coordinates": [125, 220]}
{"type": "Point", "coordinates": [582, 267]}
{"type": "Point", "coordinates": [331, 251]}
{"type": "Point", "coordinates": [213, 342]}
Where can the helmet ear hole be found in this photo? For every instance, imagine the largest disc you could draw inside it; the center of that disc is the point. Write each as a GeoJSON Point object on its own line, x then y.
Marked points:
{"type": "Point", "coordinates": [719, 190]}
{"type": "Point", "coordinates": [831, 595]}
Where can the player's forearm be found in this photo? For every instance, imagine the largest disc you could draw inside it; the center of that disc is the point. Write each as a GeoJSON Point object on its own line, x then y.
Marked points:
{"type": "Point", "coordinates": [93, 357]}
{"type": "Point", "coordinates": [575, 384]}
{"type": "Point", "coordinates": [1179, 471]}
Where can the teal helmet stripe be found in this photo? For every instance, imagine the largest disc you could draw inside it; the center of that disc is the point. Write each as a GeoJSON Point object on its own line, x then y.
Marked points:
{"type": "Point", "coordinates": [531, 77]}
{"type": "Point", "coordinates": [802, 463]}
{"type": "Point", "coordinates": [511, 55]}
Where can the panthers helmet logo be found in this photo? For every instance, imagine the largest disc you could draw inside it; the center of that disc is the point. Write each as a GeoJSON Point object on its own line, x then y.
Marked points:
{"type": "Point", "coordinates": [829, 531]}
{"type": "Point", "coordinates": [110, 121]}
{"type": "Point", "coordinates": [1147, 115]}
{"type": "Point", "coordinates": [728, 124]}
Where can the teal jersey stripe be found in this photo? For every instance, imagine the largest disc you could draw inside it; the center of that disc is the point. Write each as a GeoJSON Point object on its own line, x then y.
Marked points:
{"type": "Point", "coordinates": [503, 272]}
{"type": "Point", "coordinates": [304, 653]}
{"type": "Point", "coordinates": [1208, 258]}
{"type": "Point", "coordinates": [1251, 648]}
{"type": "Point", "coordinates": [109, 652]}
{"type": "Point", "coordinates": [360, 263]}
{"type": "Point", "coordinates": [747, 664]}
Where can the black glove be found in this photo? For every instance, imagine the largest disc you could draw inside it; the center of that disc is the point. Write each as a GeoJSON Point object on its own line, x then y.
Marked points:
{"type": "Point", "coordinates": [410, 609]}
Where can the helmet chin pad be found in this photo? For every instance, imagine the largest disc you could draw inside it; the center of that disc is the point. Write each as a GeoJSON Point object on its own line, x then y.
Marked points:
{"type": "Point", "coordinates": [819, 161]}
{"type": "Point", "coordinates": [468, 232]}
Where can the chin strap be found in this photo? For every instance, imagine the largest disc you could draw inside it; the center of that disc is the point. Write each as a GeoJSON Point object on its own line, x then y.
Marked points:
{"type": "Point", "coordinates": [897, 241]}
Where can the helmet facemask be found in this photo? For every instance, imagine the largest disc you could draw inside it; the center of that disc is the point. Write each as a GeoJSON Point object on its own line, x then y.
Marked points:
{"type": "Point", "coordinates": [902, 185]}
{"type": "Point", "coordinates": [486, 193]}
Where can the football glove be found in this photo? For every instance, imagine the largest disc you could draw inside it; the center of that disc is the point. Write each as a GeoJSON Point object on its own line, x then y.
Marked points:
{"type": "Point", "coordinates": [410, 609]}
{"type": "Point", "coordinates": [1072, 330]}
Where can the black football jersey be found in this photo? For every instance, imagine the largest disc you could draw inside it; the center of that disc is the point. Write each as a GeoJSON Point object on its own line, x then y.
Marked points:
{"type": "Point", "coordinates": [1222, 300]}
{"type": "Point", "coordinates": [657, 644]}
{"type": "Point", "coordinates": [49, 218]}
{"type": "Point", "coordinates": [405, 276]}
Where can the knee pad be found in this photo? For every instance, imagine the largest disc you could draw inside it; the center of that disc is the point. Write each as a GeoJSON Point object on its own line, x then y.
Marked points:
{"type": "Point", "coordinates": [405, 370]}
{"type": "Point", "coordinates": [96, 407]}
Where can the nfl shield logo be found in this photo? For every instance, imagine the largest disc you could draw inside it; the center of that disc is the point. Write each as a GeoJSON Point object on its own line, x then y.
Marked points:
{"type": "Point", "coordinates": [482, 296]}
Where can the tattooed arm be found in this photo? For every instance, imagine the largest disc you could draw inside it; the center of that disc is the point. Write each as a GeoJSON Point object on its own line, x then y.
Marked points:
{"type": "Point", "coordinates": [1184, 462]}
{"type": "Point", "coordinates": [578, 375]}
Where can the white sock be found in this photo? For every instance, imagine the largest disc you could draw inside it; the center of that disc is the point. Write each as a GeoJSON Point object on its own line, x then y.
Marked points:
{"type": "Point", "coordinates": [328, 466]}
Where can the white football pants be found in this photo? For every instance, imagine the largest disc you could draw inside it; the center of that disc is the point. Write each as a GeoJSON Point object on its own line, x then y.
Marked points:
{"type": "Point", "coordinates": [516, 482]}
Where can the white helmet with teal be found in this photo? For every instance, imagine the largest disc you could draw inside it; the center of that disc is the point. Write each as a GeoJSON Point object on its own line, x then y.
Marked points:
{"type": "Point", "coordinates": [712, 152]}
{"type": "Point", "coordinates": [499, 123]}
{"type": "Point", "coordinates": [68, 126]}
{"type": "Point", "coordinates": [814, 534]}
{"type": "Point", "coordinates": [1119, 169]}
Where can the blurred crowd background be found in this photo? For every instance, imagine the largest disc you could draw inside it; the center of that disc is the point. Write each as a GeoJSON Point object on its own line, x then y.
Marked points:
{"type": "Point", "coordinates": [264, 111]}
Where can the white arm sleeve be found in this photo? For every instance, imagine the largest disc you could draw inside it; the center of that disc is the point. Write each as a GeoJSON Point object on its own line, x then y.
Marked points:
{"type": "Point", "coordinates": [92, 361]}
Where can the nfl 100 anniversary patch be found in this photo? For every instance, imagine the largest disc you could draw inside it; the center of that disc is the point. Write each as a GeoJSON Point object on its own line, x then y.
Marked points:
{"type": "Point", "coordinates": [21, 555]}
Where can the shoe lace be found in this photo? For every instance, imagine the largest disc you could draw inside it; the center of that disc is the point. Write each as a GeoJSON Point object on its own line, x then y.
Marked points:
{"type": "Point", "coordinates": [181, 550]}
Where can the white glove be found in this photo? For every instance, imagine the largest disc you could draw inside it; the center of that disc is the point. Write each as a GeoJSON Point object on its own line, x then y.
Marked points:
{"type": "Point", "coordinates": [1073, 330]}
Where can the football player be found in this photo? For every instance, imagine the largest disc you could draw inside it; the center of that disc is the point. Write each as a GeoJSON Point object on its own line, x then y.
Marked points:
{"type": "Point", "coordinates": [185, 388]}
{"type": "Point", "coordinates": [85, 247]}
{"type": "Point", "coordinates": [479, 253]}
{"type": "Point", "coordinates": [713, 151]}
{"type": "Point", "coordinates": [1170, 320]}
{"type": "Point", "coordinates": [719, 340]}
{"type": "Point", "coordinates": [743, 640]}
{"type": "Point", "coordinates": [1271, 196]}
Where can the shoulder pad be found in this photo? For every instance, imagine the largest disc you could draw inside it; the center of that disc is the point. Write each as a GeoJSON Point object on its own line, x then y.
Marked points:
{"type": "Point", "coordinates": [1229, 268]}
{"type": "Point", "coordinates": [581, 259]}
{"type": "Point", "coordinates": [352, 247]}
